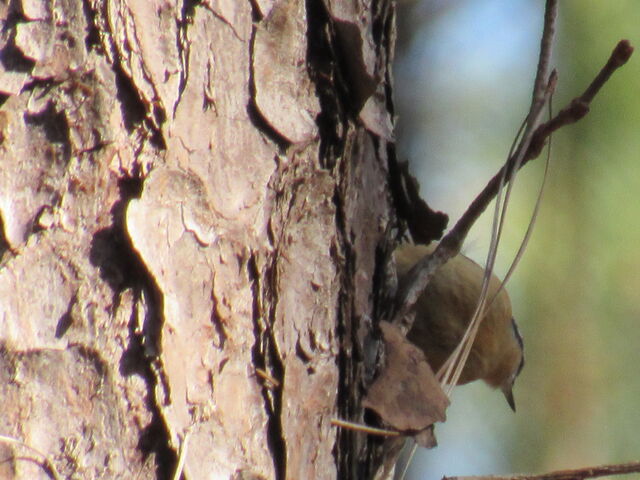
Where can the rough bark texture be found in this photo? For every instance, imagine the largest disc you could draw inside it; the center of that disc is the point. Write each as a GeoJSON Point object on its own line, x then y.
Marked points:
{"type": "Point", "coordinates": [190, 191]}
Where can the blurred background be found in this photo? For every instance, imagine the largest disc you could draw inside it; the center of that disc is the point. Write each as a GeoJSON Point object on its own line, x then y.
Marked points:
{"type": "Point", "coordinates": [464, 72]}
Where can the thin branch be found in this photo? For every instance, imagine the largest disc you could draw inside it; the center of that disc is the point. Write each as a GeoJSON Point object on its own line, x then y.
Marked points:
{"type": "Point", "coordinates": [463, 350]}
{"type": "Point", "coordinates": [359, 427]}
{"type": "Point", "coordinates": [529, 232]}
{"type": "Point", "coordinates": [618, 58]}
{"type": "Point", "coordinates": [546, 45]}
{"type": "Point", "coordinates": [265, 375]}
{"type": "Point", "coordinates": [579, 106]}
{"type": "Point", "coordinates": [576, 474]}
{"type": "Point", "coordinates": [419, 276]}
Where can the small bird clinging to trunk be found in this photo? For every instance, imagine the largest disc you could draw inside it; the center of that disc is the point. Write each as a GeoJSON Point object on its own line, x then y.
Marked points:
{"type": "Point", "coordinates": [444, 310]}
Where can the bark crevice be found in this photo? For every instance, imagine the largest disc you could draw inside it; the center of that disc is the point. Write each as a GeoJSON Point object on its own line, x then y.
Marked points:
{"type": "Point", "coordinates": [266, 356]}
{"type": "Point", "coordinates": [121, 268]}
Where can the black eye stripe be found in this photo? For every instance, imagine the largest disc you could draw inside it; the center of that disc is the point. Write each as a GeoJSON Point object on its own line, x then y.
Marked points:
{"type": "Point", "coordinates": [516, 333]}
{"type": "Point", "coordinates": [520, 367]}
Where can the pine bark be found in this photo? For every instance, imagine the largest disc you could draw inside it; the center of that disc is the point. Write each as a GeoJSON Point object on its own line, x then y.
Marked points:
{"type": "Point", "coordinates": [196, 212]}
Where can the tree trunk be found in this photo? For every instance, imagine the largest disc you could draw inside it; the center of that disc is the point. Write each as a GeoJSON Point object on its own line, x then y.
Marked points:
{"type": "Point", "coordinates": [196, 209]}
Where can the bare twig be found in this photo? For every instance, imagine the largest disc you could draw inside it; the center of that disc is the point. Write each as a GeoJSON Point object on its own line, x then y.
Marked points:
{"type": "Point", "coordinates": [418, 278]}
{"type": "Point", "coordinates": [359, 427]}
{"type": "Point", "coordinates": [579, 106]}
{"type": "Point", "coordinates": [463, 350]}
{"type": "Point", "coordinates": [528, 233]}
{"type": "Point", "coordinates": [546, 45]}
{"type": "Point", "coordinates": [263, 374]}
{"type": "Point", "coordinates": [577, 474]}
{"type": "Point", "coordinates": [543, 88]}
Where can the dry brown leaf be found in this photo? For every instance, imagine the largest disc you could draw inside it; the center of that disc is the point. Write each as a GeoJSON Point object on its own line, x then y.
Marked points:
{"type": "Point", "coordinates": [406, 394]}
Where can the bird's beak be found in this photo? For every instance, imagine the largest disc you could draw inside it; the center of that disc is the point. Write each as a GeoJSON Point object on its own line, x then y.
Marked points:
{"type": "Point", "coordinates": [508, 394]}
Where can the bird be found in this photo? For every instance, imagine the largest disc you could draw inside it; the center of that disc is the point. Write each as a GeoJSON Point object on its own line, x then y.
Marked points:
{"type": "Point", "coordinates": [444, 310]}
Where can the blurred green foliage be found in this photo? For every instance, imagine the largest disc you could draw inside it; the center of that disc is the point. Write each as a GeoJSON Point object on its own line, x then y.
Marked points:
{"type": "Point", "coordinates": [580, 283]}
